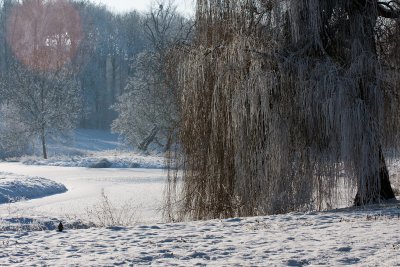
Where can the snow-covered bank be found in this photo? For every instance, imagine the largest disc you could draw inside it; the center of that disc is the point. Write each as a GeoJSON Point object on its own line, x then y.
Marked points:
{"type": "Point", "coordinates": [362, 237]}
{"type": "Point", "coordinates": [113, 159]}
{"type": "Point", "coordinates": [18, 187]}
{"type": "Point", "coordinates": [93, 148]}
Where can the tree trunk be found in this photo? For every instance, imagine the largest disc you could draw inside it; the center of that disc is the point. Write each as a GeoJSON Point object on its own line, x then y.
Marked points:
{"type": "Point", "coordinates": [385, 191]}
{"type": "Point", "coordinates": [147, 141]}
{"type": "Point", "coordinates": [43, 137]}
{"type": "Point", "coordinates": [362, 19]}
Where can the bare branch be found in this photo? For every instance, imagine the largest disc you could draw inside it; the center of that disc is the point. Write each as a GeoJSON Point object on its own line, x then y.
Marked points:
{"type": "Point", "coordinates": [390, 10]}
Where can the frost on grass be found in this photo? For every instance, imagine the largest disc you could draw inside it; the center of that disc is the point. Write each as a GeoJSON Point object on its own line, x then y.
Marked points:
{"type": "Point", "coordinates": [17, 187]}
{"type": "Point", "coordinates": [18, 222]}
{"type": "Point", "coordinates": [104, 213]}
{"type": "Point", "coordinates": [108, 214]}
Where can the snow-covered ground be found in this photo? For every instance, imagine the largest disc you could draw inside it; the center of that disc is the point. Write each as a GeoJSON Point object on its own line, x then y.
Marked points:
{"type": "Point", "coordinates": [132, 183]}
{"type": "Point", "coordinates": [18, 187]}
{"type": "Point", "coordinates": [82, 142]}
{"type": "Point", "coordinates": [362, 237]}
{"type": "Point", "coordinates": [93, 148]}
{"type": "Point", "coordinates": [140, 188]}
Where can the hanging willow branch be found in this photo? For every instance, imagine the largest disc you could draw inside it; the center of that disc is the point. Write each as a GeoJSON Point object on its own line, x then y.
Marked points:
{"type": "Point", "coordinates": [285, 106]}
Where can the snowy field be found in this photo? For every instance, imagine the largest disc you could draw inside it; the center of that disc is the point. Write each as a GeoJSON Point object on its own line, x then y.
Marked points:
{"type": "Point", "coordinates": [142, 189]}
{"type": "Point", "coordinates": [364, 237]}
{"type": "Point", "coordinates": [130, 183]}
{"type": "Point", "coordinates": [28, 237]}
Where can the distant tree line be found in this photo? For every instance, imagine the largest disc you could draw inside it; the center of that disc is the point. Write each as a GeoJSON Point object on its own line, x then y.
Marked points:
{"type": "Point", "coordinates": [107, 67]}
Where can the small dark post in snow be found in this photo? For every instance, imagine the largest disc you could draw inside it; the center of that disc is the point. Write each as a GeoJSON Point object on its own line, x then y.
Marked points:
{"type": "Point", "coordinates": [60, 227]}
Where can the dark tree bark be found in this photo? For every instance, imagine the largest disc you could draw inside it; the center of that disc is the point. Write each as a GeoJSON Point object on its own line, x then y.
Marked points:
{"type": "Point", "coordinates": [363, 16]}
{"type": "Point", "coordinates": [385, 192]}
{"type": "Point", "coordinates": [149, 139]}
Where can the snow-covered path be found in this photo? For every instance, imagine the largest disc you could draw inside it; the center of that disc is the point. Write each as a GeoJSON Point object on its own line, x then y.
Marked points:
{"type": "Point", "coordinates": [142, 188]}
{"type": "Point", "coordinates": [349, 237]}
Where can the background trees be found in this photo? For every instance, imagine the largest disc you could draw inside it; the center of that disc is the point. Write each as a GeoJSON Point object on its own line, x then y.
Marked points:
{"type": "Point", "coordinates": [285, 104]}
{"type": "Point", "coordinates": [148, 111]}
{"type": "Point", "coordinates": [14, 137]}
{"type": "Point", "coordinates": [38, 83]}
{"type": "Point", "coordinates": [103, 60]}
{"type": "Point", "coordinates": [98, 52]}
{"type": "Point", "coordinates": [44, 104]}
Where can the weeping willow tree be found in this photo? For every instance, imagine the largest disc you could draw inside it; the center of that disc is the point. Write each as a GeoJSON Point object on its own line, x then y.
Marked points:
{"type": "Point", "coordinates": [285, 104]}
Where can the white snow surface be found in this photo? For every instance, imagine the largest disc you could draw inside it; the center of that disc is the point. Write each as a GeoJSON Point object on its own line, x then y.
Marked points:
{"type": "Point", "coordinates": [357, 237]}
{"type": "Point", "coordinates": [140, 188]}
{"type": "Point", "coordinates": [367, 236]}
{"type": "Point", "coordinates": [14, 187]}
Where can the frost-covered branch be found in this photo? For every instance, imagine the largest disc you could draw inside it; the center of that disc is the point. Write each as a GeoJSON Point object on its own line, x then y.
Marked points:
{"type": "Point", "coordinates": [389, 9]}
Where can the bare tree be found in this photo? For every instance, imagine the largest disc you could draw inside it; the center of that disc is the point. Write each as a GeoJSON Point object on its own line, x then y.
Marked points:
{"type": "Point", "coordinates": [285, 104]}
{"type": "Point", "coordinates": [39, 85]}
{"type": "Point", "coordinates": [46, 104]}
{"type": "Point", "coordinates": [148, 112]}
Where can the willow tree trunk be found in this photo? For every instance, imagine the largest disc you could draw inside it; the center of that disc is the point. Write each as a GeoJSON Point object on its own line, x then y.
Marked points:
{"type": "Point", "coordinates": [362, 18]}
{"type": "Point", "coordinates": [385, 191]}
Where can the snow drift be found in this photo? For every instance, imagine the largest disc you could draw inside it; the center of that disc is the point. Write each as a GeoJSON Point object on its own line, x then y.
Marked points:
{"type": "Point", "coordinates": [17, 187]}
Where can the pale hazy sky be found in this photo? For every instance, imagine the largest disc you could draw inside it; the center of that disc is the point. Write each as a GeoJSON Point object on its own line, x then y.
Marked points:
{"type": "Point", "coordinates": [184, 6]}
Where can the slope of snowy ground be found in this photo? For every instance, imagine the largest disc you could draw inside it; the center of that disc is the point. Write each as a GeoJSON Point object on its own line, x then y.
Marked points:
{"type": "Point", "coordinates": [82, 142]}
{"type": "Point", "coordinates": [360, 237]}
{"type": "Point", "coordinates": [18, 187]}
{"type": "Point", "coordinates": [93, 148]}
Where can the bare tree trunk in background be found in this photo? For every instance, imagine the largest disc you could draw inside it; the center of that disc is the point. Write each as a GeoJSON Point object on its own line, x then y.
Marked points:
{"type": "Point", "coordinates": [149, 139]}
{"type": "Point", "coordinates": [43, 140]}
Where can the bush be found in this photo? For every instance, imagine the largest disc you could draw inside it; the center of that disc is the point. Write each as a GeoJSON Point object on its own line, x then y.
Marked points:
{"type": "Point", "coordinates": [102, 164]}
{"type": "Point", "coordinates": [105, 214]}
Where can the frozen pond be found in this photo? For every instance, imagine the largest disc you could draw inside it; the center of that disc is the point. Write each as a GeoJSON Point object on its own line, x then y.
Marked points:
{"type": "Point", "coordinates": [142, 188]}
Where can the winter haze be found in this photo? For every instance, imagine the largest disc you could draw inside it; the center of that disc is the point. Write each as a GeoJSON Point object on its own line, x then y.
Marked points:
{"type": "Point", "coordinates": [184, 6]}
